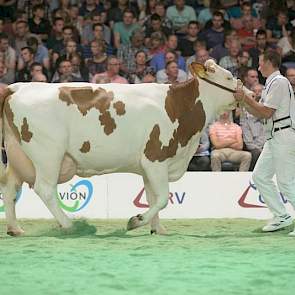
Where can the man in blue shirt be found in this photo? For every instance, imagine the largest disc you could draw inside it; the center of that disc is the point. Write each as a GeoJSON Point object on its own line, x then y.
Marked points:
{"type": "Point", "coordinates": [158, 61]}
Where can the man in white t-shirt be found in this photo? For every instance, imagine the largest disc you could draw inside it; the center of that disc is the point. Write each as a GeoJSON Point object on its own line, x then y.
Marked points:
{"type": "Point", "coordinates": [277, 108]}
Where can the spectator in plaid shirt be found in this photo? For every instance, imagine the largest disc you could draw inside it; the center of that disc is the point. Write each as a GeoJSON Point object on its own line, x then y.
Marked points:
{"type": "Point", "coordinates": [230, 61]}
{"type": "Point", "coordinates": [142, 72]}
{"type": "Point", "coordinates": [126, 52]}
{"type": "Point", "coordinates": [98, 62]}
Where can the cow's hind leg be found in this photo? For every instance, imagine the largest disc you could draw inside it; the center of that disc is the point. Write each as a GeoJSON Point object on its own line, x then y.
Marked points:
{"type": "Point", "coordinates": [156, 227]}
{"type": "Point", "coordinates": [157, 176]}
{"type": "Point", "coordinates": [9, 190]}
{"type": "Point", "coordinates": [46, 185]}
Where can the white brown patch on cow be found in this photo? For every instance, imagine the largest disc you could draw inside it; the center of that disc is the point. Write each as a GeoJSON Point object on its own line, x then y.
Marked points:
{"type": "Point", "coordinates": [5, 95]}
{"type": "Point", "coordinates": [180, 105]}
{"type": "Point", "coordinates": [108, 122]}
{"type": "Point", "coordinates": [86, 98]}
{"type": "Point", "coordinates": [85, 147]}
{"type": "Point", "coordinates": [26, 134]}
{"type": "Point", "coordinates": [155, 150]}
{"type": "Point", "coordinates": [181, 98]}
{"type": "Point", "coordinates": [119, 106]}
{"type": "Point", "coordinates": [10, 117]}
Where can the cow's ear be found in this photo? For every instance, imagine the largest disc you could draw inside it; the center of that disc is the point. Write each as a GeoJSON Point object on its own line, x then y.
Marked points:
{"type": "Point", "coordinates": [197, 69]}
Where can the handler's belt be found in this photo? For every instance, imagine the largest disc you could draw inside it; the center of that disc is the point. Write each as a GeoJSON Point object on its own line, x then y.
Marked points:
{"type": "Point", "coordinates": [281, 128]}
{"type": "Point", "coordinates": [278, 129]}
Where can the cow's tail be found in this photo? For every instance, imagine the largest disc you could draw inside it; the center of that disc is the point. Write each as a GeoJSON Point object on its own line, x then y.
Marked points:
{"type": "Point", "coordinates": [4, 94]}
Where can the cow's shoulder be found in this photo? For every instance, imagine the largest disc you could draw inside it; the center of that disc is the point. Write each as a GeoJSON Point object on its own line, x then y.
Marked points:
{"type": "Point", "coordinates": [181, 104]}
{"type": "Point", "coordinates": [181, 98]}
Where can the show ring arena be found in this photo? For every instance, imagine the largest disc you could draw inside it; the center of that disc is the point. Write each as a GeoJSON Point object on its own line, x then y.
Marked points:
{"type": "Point", "coordinates": [214, 243]}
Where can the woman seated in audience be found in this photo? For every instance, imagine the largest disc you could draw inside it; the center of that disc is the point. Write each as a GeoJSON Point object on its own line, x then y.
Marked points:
{"type": "Point", "coordinates": [70, 48]}
{"type": "Point", "coordinates": [98, 62]}
{"type": "Point", "coordinates": [57, 57]}
{"type": "Point", "coordinates": [142, 72]}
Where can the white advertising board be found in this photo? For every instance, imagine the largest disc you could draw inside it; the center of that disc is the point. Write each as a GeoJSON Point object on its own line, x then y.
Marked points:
{"type": "Point", "coordinates": [196, 195]}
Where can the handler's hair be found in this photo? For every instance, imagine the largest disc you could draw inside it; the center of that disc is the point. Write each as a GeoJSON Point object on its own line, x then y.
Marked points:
{"type": "Point", "coordinates": [274, 58]}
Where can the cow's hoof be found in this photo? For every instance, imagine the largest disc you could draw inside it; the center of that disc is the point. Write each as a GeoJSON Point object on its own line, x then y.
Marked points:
{"type": "Point", "coordinates": [159, 231]}
{"type": "Point", "coordinates": [16, 232]}
{"type": "Point", "coordinates": [134, 222]}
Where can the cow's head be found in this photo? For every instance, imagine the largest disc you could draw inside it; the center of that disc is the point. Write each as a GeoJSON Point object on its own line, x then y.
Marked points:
{"type": "Point", "coordinates": [214, 73]}
{"type": "Point", "coordinates": [221, 79]}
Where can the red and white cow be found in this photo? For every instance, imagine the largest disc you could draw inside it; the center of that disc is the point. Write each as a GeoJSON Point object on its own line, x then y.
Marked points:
{"type": "Point", "coordinates": [55, 131]}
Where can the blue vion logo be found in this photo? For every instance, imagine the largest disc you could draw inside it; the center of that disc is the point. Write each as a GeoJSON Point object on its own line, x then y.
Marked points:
{"type": "Point", "coordinates": [1, 200]}
{"type": "Point", "coordinates": [77, 197]}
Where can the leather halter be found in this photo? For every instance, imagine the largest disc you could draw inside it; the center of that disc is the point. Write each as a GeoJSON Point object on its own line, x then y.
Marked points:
{"type": "Point", "coordinates": [201, 69]}
{"type": "Point", "coordinates": [217, 85]}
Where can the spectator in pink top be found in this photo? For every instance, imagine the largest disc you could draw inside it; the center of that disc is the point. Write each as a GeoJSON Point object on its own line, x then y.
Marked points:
{"type": "Point", "coordinates": [227, 142]}
{"type": "Point", "coordinates": [112, 72]}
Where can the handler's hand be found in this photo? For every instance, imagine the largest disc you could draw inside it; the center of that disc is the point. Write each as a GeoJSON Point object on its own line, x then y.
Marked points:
{"type": "Point", "coordinates": [239, 95]}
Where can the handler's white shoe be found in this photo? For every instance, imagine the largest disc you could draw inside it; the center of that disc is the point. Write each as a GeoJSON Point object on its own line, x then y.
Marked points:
{"type": "Point", "coordinates": [292, 233]}
{"type": "Point", "coordinates": [277, 223]}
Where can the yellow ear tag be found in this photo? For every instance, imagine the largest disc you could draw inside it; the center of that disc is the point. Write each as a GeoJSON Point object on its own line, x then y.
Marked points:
{"type": "Point", "coordinates": [198, 69]}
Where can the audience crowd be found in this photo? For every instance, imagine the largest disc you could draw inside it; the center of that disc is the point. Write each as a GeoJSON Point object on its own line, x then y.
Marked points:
{"type": "Point", "coordinates": [144, 41]}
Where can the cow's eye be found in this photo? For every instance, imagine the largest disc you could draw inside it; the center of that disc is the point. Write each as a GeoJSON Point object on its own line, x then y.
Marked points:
{"type": "Point", "coordinates": [229, 78]}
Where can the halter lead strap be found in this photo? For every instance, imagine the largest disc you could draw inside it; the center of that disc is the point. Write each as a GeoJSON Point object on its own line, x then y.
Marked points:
{"type": "Point", "coordinates": [218, 85]}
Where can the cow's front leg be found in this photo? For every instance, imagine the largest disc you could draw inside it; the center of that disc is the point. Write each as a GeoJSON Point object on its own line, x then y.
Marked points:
{"type": "Point", "coordinates": [9, 190]}
{"type": "Point", "coordinates": [45, 186]}
{"type": "Point", "coordinates": [156, 227]}
{"type": "Point", "coordinates": [47, 193]}
{"type": "Point", "coordinates": [157, 176]}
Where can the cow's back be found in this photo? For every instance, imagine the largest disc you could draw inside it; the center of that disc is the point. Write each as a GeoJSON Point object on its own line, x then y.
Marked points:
{"type": "Point", "coordinates": [102, 137]}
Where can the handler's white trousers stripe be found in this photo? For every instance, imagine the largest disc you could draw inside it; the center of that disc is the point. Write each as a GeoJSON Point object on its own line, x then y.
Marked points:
{"type": "Point", "coordinates": [277, 158]}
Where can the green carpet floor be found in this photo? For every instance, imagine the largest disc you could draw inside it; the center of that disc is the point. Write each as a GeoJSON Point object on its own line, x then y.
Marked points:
{"type": "Point", "coordinates": [202, 257]}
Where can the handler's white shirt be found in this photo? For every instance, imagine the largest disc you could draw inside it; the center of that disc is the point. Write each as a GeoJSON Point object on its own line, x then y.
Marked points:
{"type": "Point", "coordinates": [276, 95]}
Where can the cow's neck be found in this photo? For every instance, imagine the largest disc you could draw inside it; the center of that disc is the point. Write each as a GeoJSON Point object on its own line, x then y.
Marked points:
{"type": "Point", "coordinates": [183, 105]}
{"type": "Point", "coordinates": [209, 100]}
